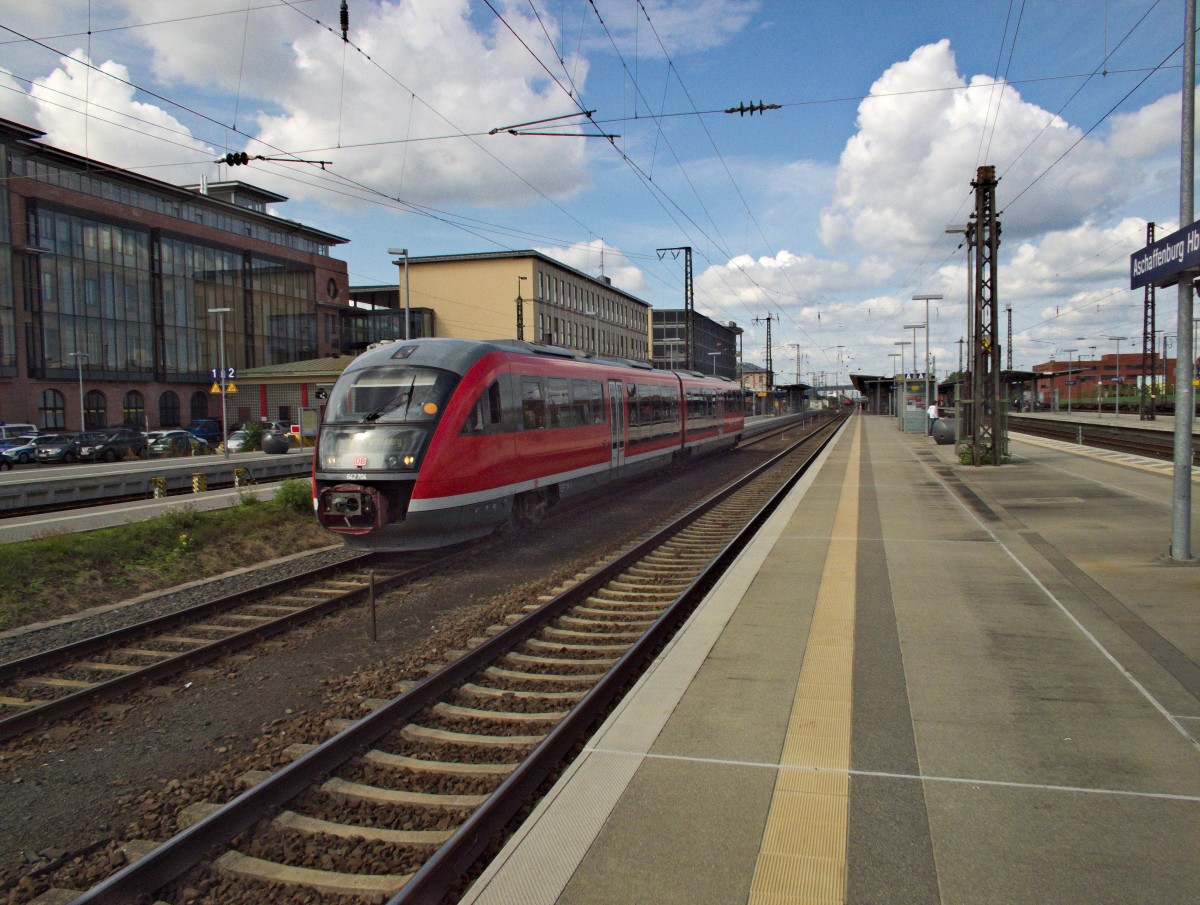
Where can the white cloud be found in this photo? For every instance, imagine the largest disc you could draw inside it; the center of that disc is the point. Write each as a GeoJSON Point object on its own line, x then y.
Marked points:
{"type": "Point", "coordinates": [121, 130]}
{"type": "Point", "coordinates": [388, 118]}
{"type": "Point", "coordinates": [15, 103]}
{"type": "Point", "coordinates": [906, 173]}
{"type": "Point", "coordinates": [598, 256]}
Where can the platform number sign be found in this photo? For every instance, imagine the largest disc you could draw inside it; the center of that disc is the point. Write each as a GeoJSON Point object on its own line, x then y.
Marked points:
{"type": "Point", "coordinates": [230, 373]}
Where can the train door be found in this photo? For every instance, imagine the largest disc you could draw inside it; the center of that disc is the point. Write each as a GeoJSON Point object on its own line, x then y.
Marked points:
{"type": "Point", "coordinates": [616, 423]}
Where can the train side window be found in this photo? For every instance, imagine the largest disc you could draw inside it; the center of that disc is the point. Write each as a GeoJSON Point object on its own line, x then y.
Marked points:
{"type": "Point", "coordinates": [581, 403]}
{"type": "Point", "coordinates": [533, 404]}
{"type": "Point", "coordinates": [486, 414]}
{"type": "Point", "coordinates": [558, 402]}
{"type": "Point", "coordinates": [597, 402]}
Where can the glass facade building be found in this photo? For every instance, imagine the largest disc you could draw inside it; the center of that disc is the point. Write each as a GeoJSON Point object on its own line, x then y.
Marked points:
{"type": "Point", "coordinates": [110, 280]}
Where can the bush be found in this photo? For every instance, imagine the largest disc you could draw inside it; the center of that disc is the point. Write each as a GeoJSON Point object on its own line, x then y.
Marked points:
{"type": "Point", "coordinates": [254, 434]}
{"type": "Point", "coordinates": [294, 494]}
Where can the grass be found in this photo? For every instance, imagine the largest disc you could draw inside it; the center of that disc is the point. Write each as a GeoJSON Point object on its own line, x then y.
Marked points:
{"type": "Point", "coordinates": [62, 574]}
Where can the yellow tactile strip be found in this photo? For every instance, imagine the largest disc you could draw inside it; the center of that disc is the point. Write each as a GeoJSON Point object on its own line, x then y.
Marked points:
{"type": "Point", "coordinates": [802, 858]}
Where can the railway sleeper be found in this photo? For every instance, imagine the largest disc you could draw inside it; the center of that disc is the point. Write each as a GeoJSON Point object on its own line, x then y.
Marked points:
{"type": "Point", "coordinates": [379, 795]}
{"type": "Point", "coordinates": [405, 762]}
{"type": "Point", "coordinates": [622, 605]}
{"type": "Point", "coordinates": [290, 821]}
{"type": "Point", "coordinates": [416, 733]}
{"type": "Point", "coordinates": [106, 667]}
{"type": "Point", "coordinates": [548, 645]}
{"type": "Point", "coordinates": [598, 663]}
{"type": "Point", "coordinates": [474, 713]}
{"type": "Point", "coordinates": [235, 864]}
{"type": "Point", "coordinates": [597, 615]}
{"type": "Point", "coordinates": [551, 631]}
{"type": "Point", "coordinates": [143, 652]}
{"type": "Point", "coordinates": [9, 701]}
{"type": "Point", "coordinates": [533, 678]}
{"type": "Point", "coordinates": [486, 691]}
{"type": "Point", "coordinates": [615, 621]}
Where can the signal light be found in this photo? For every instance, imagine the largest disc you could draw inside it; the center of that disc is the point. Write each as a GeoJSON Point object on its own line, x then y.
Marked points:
{"type": "Point", "coordinates": [237, 159]}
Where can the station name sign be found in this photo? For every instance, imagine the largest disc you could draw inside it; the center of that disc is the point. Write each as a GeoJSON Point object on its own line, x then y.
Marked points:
{"type": "Point", "coordinates": [1160, 263]}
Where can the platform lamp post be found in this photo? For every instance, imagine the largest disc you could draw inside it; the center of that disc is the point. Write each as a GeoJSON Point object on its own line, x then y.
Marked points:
{"type": "Point", "coordinates": [934, 297]}
{"type": "Point", "coordinates": [220, 313]}
{"type": "Point", "coordinates": [903, 378]}
{"type": "Point", "coordinates": [520, 310]}
{"type": "Point", "coordinates": [1117, 396]}
{"type": "Point", "coordinates": [895, 386]}
{"type": "Point", "coordinates": [404, 252]}
{"type": "Point", "coordinates": [79, 357]}
{"type": "Point", "coordinates": [925, 374]}
{"type": "Point", "coordinates": [1070, 380]}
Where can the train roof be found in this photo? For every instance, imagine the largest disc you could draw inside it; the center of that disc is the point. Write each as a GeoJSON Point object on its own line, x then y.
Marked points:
{"type": "Point", "coordinates": [458, 355]}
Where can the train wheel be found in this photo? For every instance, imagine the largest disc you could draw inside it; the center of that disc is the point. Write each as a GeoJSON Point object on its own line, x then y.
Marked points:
{"type": "Point", "coordinates": [530, 507]}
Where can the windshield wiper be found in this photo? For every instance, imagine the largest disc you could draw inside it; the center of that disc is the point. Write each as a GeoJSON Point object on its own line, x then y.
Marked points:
{"type": "Point", "coordinates": [395, 400]}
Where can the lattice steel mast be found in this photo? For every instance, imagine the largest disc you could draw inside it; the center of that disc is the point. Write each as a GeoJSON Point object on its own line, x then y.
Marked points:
{"type": "Point", "coordinates": [989, 427]}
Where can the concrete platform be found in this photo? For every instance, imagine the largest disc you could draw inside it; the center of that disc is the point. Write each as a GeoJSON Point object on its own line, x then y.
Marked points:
{"type": "Point", "coordinates": [924, 682]}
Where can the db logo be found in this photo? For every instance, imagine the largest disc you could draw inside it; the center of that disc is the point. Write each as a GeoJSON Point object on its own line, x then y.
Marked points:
{"type": "Point", "coordinates": [360, 461]}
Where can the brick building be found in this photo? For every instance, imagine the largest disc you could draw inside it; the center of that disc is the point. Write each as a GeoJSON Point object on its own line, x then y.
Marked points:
{"type": "Point", "coordinates": [108, 278]}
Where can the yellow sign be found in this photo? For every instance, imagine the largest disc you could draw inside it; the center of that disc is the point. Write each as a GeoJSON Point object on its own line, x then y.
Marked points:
{"type": "Point", "coordinates": [229, 388]}
{"type": "Point", "coordinates": [216, 388]}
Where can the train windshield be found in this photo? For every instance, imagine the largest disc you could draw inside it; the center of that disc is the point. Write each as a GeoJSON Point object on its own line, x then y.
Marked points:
{"type": "Point", "coordinates": [388, 395]}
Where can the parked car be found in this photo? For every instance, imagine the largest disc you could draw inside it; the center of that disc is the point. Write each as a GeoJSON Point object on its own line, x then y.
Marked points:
{"type": "Point", "coordinates": [117, 444]}
{"type": "Point", "coordinates": [66, 448]}
{"type": "Point", "coordinates": [12, 431]}
{"type": "Point", "coordinates": [176, 443]}
{"type": "Point", "coordinates": [22, 450]}
{"type": "Point", "coordinates": [207, 429]}
{"type": "Point", "coordinates": [236, 442]}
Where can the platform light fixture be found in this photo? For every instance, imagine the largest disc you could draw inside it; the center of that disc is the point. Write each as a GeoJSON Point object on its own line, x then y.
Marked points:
{"type": "Point", "coordinates": [926, 298]}
{"type": "Point", "coordinates": [1117, 395]}
{"type": "Point", "coordinates": [220, 313]}
{"type": "Point", "coordinates": [1070, 380]}
{"type": "Point", "coordinates": [79, 357]}
{"type": "Point", "coordinates": [403, 252]}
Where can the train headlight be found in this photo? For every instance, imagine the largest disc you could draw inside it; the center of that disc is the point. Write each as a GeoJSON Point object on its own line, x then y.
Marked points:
{"type": "Point", "coordinates": [409, 460]}
{"type": "Point", "coordinates": [430, 408]}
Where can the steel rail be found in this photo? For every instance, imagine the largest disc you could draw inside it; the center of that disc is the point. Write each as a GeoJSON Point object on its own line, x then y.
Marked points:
{"type": "Point", "coordinates": [178, 854]}
{"type": "Point", "coordinates": [1139, 441]}
{"type": "Point", "coordinates": [76, 701]}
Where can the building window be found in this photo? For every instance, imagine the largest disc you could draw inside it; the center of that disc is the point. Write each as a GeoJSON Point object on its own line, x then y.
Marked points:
{"type": "Point", "coordinates": [133, 409]}
{"type": "Point", "coordinates": [199, 405]}
{"type": "Point", "coordinates": [95, 411]}
{"type": "Point", "coordinates": [52, 410]}
{"type": "Point", "coordinates": [168, 409]}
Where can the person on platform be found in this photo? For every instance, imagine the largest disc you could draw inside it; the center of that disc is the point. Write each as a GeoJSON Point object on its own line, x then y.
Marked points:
{"type": "Point", "coordinates": [933, 415]}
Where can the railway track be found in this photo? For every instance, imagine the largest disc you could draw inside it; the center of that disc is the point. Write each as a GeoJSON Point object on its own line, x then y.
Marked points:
{"type": "Point", "coordinates": [47, 687]}
{"type": "Point", "coordinates": [1150, 443]}
{"type": "Point", "coordinates": [401, 804]}
{"type": "Point", "coordinates": [43, 688]}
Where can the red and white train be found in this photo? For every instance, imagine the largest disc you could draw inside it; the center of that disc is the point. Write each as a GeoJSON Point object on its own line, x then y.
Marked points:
{"type": "Point", "coordinates": [430, 442]}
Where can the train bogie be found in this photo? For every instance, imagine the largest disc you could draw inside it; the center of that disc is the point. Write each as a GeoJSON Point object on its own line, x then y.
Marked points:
{"type": "Point", "coordinates": [433, 441]}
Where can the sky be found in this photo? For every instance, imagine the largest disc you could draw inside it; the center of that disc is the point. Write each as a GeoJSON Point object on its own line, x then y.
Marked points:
{"type": "Point", "coordinates": [826, 212]}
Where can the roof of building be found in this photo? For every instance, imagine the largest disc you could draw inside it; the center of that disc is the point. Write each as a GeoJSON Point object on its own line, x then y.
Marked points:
{"type": "Point", "coordinates": [514, 255]}
{"type": "Point", "coordinates": [21, 134]}
{"type": "Point", "coordinates": [293, 371]}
